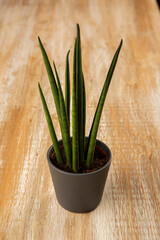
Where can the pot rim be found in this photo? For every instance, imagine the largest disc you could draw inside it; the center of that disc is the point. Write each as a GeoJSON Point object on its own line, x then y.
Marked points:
{"type": "Point", "coordinates": [81, 174]}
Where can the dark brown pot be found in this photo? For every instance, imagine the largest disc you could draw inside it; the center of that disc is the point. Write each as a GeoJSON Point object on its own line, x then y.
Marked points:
{"type": "Point", "coordinates": [79, 192]}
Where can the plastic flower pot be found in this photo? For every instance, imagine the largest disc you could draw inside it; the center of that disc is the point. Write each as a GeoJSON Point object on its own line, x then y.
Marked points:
{"type": "Point", "coordinates": [79, 192]}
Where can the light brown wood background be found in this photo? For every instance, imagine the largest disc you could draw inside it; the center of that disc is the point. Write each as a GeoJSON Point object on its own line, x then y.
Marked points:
{"type": "Point", "coordinates": [130, 123]}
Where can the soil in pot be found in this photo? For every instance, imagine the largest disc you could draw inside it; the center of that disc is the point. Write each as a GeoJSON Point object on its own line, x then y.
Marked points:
{"type": "Point", "coordinates": [99, 160]}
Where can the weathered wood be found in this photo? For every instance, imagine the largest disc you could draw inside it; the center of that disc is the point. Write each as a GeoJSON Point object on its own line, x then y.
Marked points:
{"type": "Point", "coordinates": [130, 123]}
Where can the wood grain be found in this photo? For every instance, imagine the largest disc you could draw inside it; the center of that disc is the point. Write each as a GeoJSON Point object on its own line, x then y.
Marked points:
{"type": "Point", "coordinates": [130, 123]}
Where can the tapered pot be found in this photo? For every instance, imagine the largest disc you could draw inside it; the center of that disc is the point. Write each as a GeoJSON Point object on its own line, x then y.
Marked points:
{"type": "Point", "coordinates": [79, 192]}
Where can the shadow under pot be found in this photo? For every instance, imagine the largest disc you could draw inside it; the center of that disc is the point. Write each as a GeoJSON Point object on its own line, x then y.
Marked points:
{"type": "Point", "coordinates": [79, 192]}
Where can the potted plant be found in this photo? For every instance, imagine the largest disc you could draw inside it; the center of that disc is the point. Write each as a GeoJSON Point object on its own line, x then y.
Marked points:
{"type": "Point", "coordinates": [79, 165]}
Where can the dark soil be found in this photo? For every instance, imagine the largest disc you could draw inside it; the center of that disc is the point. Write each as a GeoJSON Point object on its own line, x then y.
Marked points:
{"type": "Point", "coordinates": [99, 160]}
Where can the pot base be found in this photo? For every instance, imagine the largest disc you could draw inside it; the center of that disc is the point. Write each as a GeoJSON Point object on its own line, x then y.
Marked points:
{"type": "Point", "coordinates": [79, 210]}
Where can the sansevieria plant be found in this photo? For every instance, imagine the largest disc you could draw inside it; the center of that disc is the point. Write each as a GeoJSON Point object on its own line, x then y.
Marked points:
{"type": "Point", "coordinates": [79, 151]}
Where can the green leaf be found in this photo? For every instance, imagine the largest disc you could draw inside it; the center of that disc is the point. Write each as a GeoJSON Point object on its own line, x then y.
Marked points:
{"type": "Point", "coordinates": [75, 145]}
{"type": "Point", "coordinates": [64, 123]}
{"type": "Point", "coordinates": [84, 109]}
{"type": "Point", "coordinates": [51, 128]}
{"type": "Point", "coordinates": [79, 78]}
{"type": "Point", "coordinates": [56, 91]}
{"type": "Point", "coordinates": [93, 132]}
{"type": "Point", "coordinates": [67, 87]}
{"type": "Point", "coordinates": [51, 77]}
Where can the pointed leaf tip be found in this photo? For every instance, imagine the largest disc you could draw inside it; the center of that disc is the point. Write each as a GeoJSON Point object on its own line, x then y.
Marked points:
{"type": "Point", "coordinates": [68, 53]}
{"type": "Point", "coordinates": [78, 30]}
{"type": "Point", "coordinates": [121, 42]}
{"type": "Point", "coordinates": [39, 39]}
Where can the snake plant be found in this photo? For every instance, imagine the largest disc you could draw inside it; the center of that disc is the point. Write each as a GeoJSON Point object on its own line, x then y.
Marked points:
{"type": "Point", "coordinates": [76, 152]}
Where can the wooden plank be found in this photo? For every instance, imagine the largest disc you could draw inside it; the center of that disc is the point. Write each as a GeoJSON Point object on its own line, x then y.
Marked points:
{"type": "Point", "coordinates": [130, 123]}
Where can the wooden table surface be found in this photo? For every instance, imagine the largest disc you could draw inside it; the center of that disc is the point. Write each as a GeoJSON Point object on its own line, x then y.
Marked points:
{"type": "Point", "coordinates": [130, 123]}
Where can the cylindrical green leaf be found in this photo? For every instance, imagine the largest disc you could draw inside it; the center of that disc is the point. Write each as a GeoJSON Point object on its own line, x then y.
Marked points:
{"type": "Point", "coordinates": [75, 146]}
{"type": "Point", "coordinates": [67, 87]}
{"type": "Point", "coordinates": [79, 78]}
{"type": "Point", "coordinates": [64, 123]}
{"type": "Point", "coordinates": [84, 110]}
{"type": "Point", "coordinates": [51, 77]}
{"type": "Point", "coordinates": [51, 128]}
{"type": "Point", "coordinates": [93, 132]}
